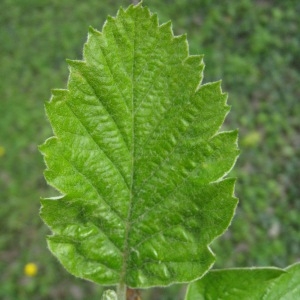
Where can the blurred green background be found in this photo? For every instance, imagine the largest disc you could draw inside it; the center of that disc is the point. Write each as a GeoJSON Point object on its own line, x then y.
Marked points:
{"type": "Point", "coordinates": [252, 45]}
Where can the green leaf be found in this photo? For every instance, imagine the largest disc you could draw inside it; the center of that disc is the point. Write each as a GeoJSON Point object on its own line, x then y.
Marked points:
{"type": "Point", "coordinates": [287, 286]}
{"type": "Point", "coordinates": [247, 284]}
{"type": "Point", "coordinates": [137, 158]}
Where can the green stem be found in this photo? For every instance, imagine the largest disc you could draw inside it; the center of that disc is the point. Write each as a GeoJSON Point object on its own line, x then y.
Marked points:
{"type": "Point", "coordinates": [121, 291]}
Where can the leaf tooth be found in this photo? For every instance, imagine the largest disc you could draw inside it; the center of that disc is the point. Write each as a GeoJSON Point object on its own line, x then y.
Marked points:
{"type": "Point", "coordinates": [129, 8]}
{"type": "Point", "coordinates": [93, 31]}
{"type": "Point", "coordinates": [140, 3]}
{"type": "Point", "coordinates": [75, 66]}
{"type": "Point", "coordinates": [57, 95]}
{"type": "Point", "coordinates": [194, 60]}
{"type": "Point", "coordinates": [234, 135]}
{"type": "Point", "coordinates": [181, 45]}
{"type": "Point", "coordinates": [121, 12]}
{"type": "Point", "coordinates": [59, 92]}
{"type": "Point", "coordinates": [166, 29]}
{"type": "Point", "coordinates": [144, 9]}
{"type": "Point", "coordinates": [195, 63]}
{"type": "Point", "coordinates": [214, 85]}
{"type": "Point", "coordinates": [218, 86]}
{"type": "Point", "coordinates": [154, 19]}
{"type": "Point", "coordinates": [110, 20]}
{"type": "Point", "coordinates": [181, 37]}
{"type": "Point", "coordinates": [45, 146]}
{"type": "Point", "coordinates": [214, 89]}
{"type": "Point", "coordinates": [76, 63]}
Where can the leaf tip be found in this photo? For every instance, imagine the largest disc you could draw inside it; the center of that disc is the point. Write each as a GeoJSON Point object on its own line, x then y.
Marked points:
{"type": "Point", "coordinates": [133, 7]}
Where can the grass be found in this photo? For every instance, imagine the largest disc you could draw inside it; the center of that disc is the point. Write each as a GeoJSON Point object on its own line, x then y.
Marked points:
{"type": "Point", "coordinates": [252, 45]}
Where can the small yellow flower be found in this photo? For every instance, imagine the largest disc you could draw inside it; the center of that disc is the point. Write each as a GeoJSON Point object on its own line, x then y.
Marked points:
{"type": "Point", "coordinates": [30, 269]}
{"type": "Point", "coordinates": [2, 151]}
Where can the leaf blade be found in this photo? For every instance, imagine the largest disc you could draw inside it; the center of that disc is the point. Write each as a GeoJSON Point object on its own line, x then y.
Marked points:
{"type": "Point", "coordinates": [136, 139]}
{"type": "Point", "coordinates": [247, 284]}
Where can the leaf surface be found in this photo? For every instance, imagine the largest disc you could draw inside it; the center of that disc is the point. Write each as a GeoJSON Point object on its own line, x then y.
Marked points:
{"type": "Point", "coordinates": [137, 158]}
{"type": "Point", "coordinates": [247, 284]}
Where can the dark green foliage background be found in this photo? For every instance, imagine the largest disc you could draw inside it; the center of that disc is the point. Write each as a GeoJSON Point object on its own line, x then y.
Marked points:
{"type": "Point", "coordinates": [253, 45]}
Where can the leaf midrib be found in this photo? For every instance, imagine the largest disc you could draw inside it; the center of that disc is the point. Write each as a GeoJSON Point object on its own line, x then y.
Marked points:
{"type": "Point", "coordinates": [127, 221]}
